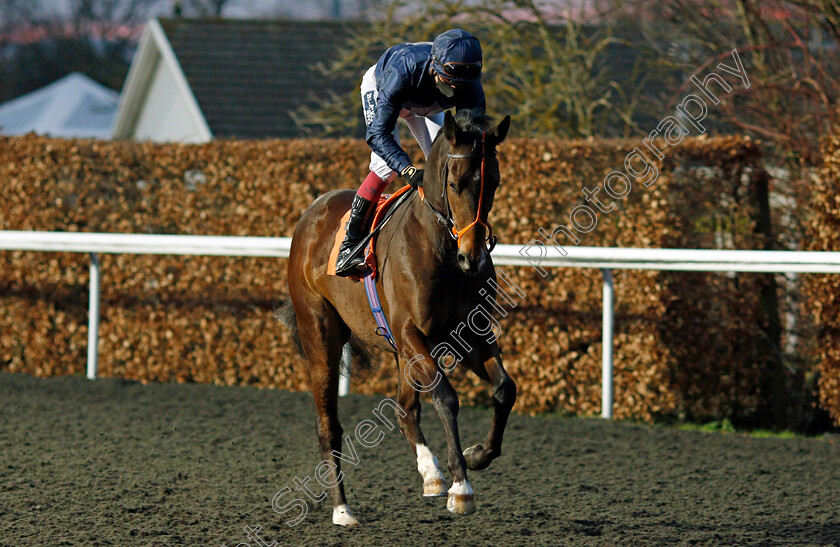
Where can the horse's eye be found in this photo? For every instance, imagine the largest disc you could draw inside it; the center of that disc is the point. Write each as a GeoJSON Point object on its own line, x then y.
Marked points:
{"type": "Point", "coordinates": [452, 185]}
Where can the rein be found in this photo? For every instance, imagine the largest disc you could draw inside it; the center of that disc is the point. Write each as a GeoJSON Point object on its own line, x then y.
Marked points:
{"type": "Point", "coordinates": [447, 221]}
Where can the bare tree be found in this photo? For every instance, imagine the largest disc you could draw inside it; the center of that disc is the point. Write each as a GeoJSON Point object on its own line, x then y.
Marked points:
{"type": "Point", "coordinates": [73, 16]}
{"type": "Point", "coordinates": [43, 40]}
{"type": "Point", "coordinates": [206, 7]}
{"type": "Point", "coordinates": [790, 48]}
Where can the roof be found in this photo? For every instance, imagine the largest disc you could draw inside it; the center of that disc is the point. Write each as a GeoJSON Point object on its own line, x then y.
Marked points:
{"type": "Point", "coordinates": [154, 79]}
{"type": "Point", "coordinates": [74, 106]}
{"type": "Point", "coordinates": [248, 76]}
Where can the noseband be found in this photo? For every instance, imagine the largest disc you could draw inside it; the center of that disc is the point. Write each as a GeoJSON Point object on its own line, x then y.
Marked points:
{"type": "Point", "coordinates": [447, 219]}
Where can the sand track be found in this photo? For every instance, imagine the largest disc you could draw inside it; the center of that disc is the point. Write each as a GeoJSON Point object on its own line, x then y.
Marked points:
{"type": "Point", "coordinates": [118, 463]}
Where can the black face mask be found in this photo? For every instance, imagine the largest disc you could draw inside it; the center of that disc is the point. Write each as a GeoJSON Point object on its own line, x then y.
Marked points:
{"type": "Point", "coordinates": [445, 89]}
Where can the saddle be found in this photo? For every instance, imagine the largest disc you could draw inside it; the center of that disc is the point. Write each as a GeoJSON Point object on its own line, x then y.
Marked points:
{"type": "Point", "coordinates": [379, 216]}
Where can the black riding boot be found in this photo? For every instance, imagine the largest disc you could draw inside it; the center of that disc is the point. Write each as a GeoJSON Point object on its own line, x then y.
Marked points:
{"type": "Point", "coordinates": [357, 228]}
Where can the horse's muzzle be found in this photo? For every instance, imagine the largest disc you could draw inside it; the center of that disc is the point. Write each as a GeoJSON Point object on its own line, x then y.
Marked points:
{"type": "Point", "coordinates": [472, 265]}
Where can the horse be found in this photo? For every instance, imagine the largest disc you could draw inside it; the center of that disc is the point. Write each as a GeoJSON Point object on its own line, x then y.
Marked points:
{"type": "Point", "coordinates": [431, 275]}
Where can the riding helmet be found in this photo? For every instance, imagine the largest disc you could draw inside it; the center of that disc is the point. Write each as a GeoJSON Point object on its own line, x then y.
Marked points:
{"type": "Point", "coordinates": [456, 56]}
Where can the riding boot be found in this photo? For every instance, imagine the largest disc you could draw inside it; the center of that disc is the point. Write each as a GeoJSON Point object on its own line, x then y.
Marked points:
{"type": "Point", "coordinates": [357, 228]}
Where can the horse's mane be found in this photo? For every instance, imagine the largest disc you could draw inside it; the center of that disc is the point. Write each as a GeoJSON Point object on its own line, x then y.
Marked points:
{"type": "Point", "coordinates": [471, 121]}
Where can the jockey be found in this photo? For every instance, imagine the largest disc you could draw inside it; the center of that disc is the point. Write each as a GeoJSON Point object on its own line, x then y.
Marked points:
{"type": "Point", "coordinates": [415, 82]}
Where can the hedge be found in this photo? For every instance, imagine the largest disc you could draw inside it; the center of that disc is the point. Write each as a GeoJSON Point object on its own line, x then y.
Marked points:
{"type": "Point", "coordinates": [688, 345]}
{"type": "Point", "coordinates": [823, 291]}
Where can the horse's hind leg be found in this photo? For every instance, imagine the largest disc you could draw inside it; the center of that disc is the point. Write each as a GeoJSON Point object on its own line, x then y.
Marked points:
{"type": "Point", "coordinates": [434, 483]}
{"type": "Point", "coordinates": [479, 456]}
{"type": "Point", "coordinates": [322, 335]}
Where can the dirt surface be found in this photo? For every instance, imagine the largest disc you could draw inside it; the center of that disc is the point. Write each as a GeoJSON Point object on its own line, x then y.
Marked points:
{"type": "Point", "coordinates": [118, 463]}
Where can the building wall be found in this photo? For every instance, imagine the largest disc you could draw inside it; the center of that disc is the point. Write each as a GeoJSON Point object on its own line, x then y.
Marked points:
{"type": "Point", "coordinates": [164, 116]}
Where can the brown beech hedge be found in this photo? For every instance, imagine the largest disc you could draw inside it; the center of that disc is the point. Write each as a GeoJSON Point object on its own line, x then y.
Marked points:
{"type": "Point", "coordinates": [823, 291]}
{"type": "Point", "coordinates": [688, 345]}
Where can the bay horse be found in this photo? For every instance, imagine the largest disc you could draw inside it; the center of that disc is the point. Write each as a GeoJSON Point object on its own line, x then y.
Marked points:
{"type": "Point", "coordinates": [431, 275]}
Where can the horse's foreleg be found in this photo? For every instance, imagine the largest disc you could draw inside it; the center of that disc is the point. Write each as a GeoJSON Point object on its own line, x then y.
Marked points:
{"type": "Point", "coordinates": [479, 456]}
{"type": "Point", "coordinates": [434, 483]}
{"type": "Point", "coordinates": [423, 374]}
{"type": "Point", "coordinates": [461, 497]}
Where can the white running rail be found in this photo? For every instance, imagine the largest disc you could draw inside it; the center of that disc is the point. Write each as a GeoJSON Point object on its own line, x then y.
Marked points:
{"type": "Point", "coordinates": [603, 258]}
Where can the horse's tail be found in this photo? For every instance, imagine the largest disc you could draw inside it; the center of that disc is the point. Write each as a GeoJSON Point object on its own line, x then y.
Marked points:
{"type": "Point", "coordinates": [358, 355]}
{"type": "Point", "coordinates": [354, 352]}
{"type": "Point", "coordinates": [286, 315]}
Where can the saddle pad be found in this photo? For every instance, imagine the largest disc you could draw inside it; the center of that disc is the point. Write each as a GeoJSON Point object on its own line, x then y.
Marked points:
{"type": "Point", "coordinates": [339, 238]}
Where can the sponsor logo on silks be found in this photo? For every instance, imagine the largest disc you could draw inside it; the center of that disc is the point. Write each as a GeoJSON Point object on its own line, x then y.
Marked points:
{"type": "Point", "coordinates": [370, 105]}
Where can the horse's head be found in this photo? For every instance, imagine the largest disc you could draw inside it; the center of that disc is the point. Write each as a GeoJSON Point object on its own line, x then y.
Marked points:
{"type": "Point", "coordinates": [469, 176]}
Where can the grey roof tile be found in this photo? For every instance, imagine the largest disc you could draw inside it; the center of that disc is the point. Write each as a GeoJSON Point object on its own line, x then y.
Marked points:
{"type": "Point", "coordinates": [248, 76]}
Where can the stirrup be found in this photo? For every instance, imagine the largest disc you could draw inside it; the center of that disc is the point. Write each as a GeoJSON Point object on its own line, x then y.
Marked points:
{"type": "Point", "coordinates": [355, 266]}
{"type": "Point", "coordinates": [351, 265]}
{"type": "Point", "coordinates": [358, 271]}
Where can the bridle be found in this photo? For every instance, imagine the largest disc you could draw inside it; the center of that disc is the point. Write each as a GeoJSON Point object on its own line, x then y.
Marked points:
{"type": "Point", "coordinates": [447, 219]}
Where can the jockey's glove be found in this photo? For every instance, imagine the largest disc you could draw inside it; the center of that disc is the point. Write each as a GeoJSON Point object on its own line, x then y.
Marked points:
{"type": "Point", "coordinates": [413, 176]}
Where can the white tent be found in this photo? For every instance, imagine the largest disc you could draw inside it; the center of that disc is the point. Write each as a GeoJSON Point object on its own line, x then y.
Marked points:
{"type": "Point", "coordinates": [74, 106]}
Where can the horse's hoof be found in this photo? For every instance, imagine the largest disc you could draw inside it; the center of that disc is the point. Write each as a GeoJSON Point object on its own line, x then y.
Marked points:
{"type": "Point", "coordinates": [461, 499]}
{"type": "Point", "coordinates": [434, 488]}
{"type": "Point", "coordinates": [477, 458]}
{"type": "Point", "coordinates": [343, 517]}
{"type": "Point", "coordinates": [434, 483]}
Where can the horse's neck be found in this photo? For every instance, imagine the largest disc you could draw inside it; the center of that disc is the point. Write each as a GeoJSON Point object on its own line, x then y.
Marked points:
{"type": "Point", "coordinates": [420, 228]}
{"type": "Point", "coordinates": [433, 232]}
{"type": "Point", "coordinates": [435, 193]}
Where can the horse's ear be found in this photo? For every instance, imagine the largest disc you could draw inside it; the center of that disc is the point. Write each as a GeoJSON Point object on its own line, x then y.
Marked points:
{"type": "Point", "coordinates": [450, 128]}
{"type": "Point", "coordinates": [498, 133]}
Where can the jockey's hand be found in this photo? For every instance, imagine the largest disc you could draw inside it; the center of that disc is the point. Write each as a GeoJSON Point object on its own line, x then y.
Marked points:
{"type": "Point", "coordinates": [413, 176]}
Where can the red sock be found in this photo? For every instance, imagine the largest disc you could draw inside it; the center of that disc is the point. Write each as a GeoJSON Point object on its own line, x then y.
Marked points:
{"type": "Point", "coordinates": [372, 187]}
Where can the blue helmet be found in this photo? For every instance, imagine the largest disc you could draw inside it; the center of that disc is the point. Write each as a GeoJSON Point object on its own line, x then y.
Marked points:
{"type": "Point", "coordinates": [456, 56]}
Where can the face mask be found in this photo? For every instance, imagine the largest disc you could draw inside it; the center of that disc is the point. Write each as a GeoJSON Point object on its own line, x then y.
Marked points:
{"type": "Point", "coordinates": [445, 89]}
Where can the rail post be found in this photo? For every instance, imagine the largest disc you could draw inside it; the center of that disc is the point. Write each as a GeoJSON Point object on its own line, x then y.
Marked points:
{"type": "Point", "coordinates": [607, 346]}
{"type": "Point", "coordinates": [93, 319]}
